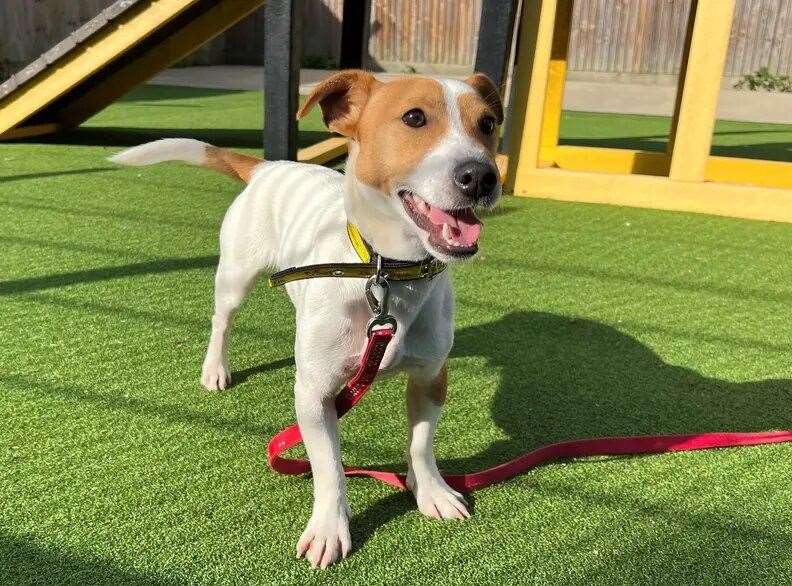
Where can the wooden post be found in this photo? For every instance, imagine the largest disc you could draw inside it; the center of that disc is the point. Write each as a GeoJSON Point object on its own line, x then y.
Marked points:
{"type": "Point", "coordinates": [694, 119]}
{"type": "Point", "coordinates": [494, 40]}
{"type": "Point", "coordinates": [554, 97]}
{"type": "Point", "coordinates": [532, 63]}
{"type": "Point", "coordinates": [353, 30]}
{"type": "Point", "coordinates": [282, 56]}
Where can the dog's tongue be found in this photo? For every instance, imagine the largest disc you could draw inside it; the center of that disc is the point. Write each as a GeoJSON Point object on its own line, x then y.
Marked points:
{"type": "Point", "coordinates": [465, 226]}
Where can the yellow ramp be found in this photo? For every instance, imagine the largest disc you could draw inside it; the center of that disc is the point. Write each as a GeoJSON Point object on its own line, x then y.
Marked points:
{"type": "Point", "coordinates": [125, 45]}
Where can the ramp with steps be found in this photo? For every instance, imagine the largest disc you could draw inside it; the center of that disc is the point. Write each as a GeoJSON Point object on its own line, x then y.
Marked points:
{"type": "Point", "coordinates": [123, 46]}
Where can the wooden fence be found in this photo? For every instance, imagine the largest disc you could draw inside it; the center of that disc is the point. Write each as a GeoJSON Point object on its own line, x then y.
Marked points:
{"type": "Point", "coordinates": [614, 36]}
{"type": "Point", "coordinates": [30, 27]}
{"type": "Point", "coordinates": [647, 36]}
{"type": "Point", "coordinates": [422, 33]}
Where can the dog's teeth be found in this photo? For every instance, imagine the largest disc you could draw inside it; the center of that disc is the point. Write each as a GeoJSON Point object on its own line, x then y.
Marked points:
{"type": "Point", "coordinates": [447, 232]}
{"type": "Point", "coordinates": [423, 206]}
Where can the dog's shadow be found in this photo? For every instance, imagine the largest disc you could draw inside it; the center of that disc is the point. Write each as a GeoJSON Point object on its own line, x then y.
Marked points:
{"type": "Point", "coordinates": [565, 378]}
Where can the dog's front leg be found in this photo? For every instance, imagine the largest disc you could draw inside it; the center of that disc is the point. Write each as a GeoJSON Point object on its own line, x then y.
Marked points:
{"type": "Point", "coordinates": [326, 537]}
{"type": "Point", "coordinates": [425, 398]}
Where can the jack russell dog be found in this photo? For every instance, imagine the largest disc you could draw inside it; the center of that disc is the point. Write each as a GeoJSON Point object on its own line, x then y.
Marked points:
{"type": "Point", "coordinates": [421, 159]}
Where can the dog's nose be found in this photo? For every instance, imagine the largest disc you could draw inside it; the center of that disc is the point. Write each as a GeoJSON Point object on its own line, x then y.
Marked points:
{"type": "Point", "coordinates": [475, 179]}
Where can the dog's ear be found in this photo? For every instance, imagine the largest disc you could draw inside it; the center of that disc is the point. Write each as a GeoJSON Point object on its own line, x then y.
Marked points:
{"type": "Point", "coordinates": [342, 97]}
{"type": "Point", "coordinates": [488, 92]}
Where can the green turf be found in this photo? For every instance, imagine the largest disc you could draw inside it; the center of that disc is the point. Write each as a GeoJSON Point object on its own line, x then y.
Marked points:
{"type": "Point", "coordinates": [750, 140]}
{"type": "Point", "coordinates": [576, 320]}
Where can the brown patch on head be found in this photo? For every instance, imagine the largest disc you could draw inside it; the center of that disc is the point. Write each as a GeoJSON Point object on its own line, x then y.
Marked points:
{"type": "Point", "coordinates": [342, 98]}
{"type": "Point", "coordinates": [471, 110]}
{"type": "Point", "coordinates": [389, 149]}
{"type": "Point", "coordinates": [488, 92]}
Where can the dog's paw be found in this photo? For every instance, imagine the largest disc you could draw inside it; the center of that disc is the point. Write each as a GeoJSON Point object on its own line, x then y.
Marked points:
{"type": "Point", "coordinates": [215, 375]}
{"type": "Point", "coordinates": [326, 537]}
{"type": "Point", "coordinates": [438, 500]}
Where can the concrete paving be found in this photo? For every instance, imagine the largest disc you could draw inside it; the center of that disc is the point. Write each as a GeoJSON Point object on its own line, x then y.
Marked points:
{"type": "Point", "coordinates": [580, 95]}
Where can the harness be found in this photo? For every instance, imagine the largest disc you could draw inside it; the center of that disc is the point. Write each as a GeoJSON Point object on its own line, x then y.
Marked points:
{"type": "Point", "coordinates": [380, 332]}
{"type": "Point", "coordinates": [371, 263]}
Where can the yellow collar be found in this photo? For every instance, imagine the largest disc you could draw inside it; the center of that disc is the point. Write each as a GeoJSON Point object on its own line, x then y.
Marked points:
{"type": "Point", "coordinates": [358, 243]}
{"type": "Point", "coordinates": [394, 270]}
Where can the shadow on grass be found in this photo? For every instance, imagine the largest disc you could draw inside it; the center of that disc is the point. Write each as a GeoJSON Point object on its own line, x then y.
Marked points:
{"type": "Point", "coordinates": [46, 174]}
{"type": "Point", "coordinates": [141, 406]}
{"type": "Point", "coordinates": [566, 378]}
{"type": "Point", "coordinates": [167, 265]}
{"type": "Point", "coordinates": [162, 92]}
{"type": "Point", "coordinates": [119, 136]}
{"type": "Point", "coordinates": [24, 560]}
{"type": "Point", "coordinates": [240, 376]}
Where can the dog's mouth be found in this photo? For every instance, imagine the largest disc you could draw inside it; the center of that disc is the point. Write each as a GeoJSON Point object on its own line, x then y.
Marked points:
{"type": "Point", "coordinates": [452, 232]}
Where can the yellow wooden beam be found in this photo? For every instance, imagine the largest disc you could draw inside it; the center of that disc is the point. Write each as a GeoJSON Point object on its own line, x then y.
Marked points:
{"type": "Point", "coordinates": [643, 191]}
{"type": "Point", "coordinates": [700, 89]}
{"type": "Point", "coordinates": [554, 96]}
{"type": "Point", "coordinates": [682, 74]}
{"type": "Point", "coordinates": [605, 160]}
{"type": "Point", "coordinates": [158, 57]}
{"type": "Point", "coordinates": [532, 69]}
{"type": "Point", "coordinates": [323, 151]}
{"type": "Point", "coordinates": [120, 36]}
{"type": "Point", "coordinates": [755, 172]}
{"type": "Point", "coordinates": [30, 131]}
{"type": "Point", "coordinates": [749, 172]}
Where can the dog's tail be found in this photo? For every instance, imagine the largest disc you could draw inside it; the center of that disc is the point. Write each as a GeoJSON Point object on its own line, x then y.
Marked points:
{"type": "Point", "coordinates": [193, 152]}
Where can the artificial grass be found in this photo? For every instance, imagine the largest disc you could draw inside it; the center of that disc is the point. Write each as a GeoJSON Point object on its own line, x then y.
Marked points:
{"type": "Point", "coordinates": [750, 140]}
{"type": "Point", "coordinates": [576, 320]}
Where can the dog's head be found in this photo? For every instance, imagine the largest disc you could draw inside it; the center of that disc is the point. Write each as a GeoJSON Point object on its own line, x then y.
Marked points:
{"type": "Point", "coordinates": [421, 158]}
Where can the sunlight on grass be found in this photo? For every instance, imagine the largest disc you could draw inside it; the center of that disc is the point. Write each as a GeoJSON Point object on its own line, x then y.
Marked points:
{"type": "Point", "coordinates": [576, 320]}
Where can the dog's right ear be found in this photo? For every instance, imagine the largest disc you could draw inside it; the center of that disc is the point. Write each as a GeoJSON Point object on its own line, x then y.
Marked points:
{"type": "Point", "coordinates": [342, 97]}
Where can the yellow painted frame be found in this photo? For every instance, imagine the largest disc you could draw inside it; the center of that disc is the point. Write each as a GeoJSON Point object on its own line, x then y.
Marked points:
{"type": "Point", "coordinates": [686, 178]}
{"type": "Point", "coordinates": [89, 58]}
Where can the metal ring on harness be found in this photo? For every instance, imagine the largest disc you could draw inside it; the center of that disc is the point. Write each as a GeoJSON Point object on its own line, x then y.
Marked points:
{"type": "Point", "coordinates": [381, 320]}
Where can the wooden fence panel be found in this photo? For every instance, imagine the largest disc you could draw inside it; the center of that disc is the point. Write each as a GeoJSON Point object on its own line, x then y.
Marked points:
{"type": "Point", "coordinates": [244, 42]}
{"type": "Point", "coordinates": [28, 29]}
{"type": "Point", "coordinates": [647, 36]}
{"type": "Point", "coordinates": [628, 36]}
{"type": "Point", "coordinates": [423, 32]}
{"type": "Point", "coordinates": [616, 36]}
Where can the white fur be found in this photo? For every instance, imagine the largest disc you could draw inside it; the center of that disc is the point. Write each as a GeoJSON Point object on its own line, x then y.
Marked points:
{"type": "Point", "coordinates": [187, 150]}
{"type": "Point", "coordinates": [432, 179]}
{"type": "Point", "coordinates": [295, 214]}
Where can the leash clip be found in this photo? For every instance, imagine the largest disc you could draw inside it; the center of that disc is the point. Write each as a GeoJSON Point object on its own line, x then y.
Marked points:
{"type": "Point", "coordinates": [379, 307]}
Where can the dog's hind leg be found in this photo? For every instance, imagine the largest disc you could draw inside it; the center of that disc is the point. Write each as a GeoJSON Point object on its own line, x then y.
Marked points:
{"type": "Point", "coordinates": [232, 284]}
{"type": "Point", "coordinates": [425, 397]}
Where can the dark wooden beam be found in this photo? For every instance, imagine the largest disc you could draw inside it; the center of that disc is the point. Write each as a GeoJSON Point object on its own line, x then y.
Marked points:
{"type": "Point", "coordinates": [353, 30]}
{"type": "Point", "coordinates": [495, 39]}
{"type": "Point", "coordinates": [282, 57]}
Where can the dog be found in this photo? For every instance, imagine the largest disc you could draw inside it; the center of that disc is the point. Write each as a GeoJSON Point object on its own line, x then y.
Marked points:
{"type": "Point", "coordinates": [421, 159]}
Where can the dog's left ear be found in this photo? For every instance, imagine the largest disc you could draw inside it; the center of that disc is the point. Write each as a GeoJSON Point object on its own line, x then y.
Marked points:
{"type": "Point", "coordinates": [488, 92]}
{"type": "Point", "coordinates": [342, 98]}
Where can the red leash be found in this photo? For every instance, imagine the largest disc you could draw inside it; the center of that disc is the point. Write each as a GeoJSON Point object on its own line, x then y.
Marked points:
{"type": "Point", "coordinates": [354, 390]}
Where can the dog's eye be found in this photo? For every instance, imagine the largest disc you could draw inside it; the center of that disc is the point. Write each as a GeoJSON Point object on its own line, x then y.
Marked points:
{"type": "Point", "coordinates": [415, 118]}
{"type": "Point", "coordinates": [487, 125]}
